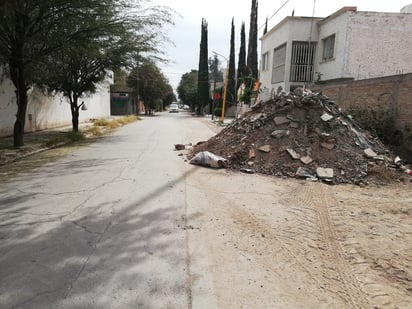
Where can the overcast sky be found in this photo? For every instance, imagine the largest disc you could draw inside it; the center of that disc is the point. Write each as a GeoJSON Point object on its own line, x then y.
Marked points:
{"type": "Point", "coordinates": [184, 56]}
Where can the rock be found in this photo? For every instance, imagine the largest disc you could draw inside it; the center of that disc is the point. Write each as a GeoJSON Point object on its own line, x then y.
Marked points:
{"type": "Point", "coordinates": [294, 125]}
{"type": "Point", "coordinates": [251, 163]}
{"type": "Point", "coordinates": [265, 148]}
{"type": "Point", "coordinates": [324, 173]}
{"type": "Point", "coordinates": [369, 153]}
{"type": "Point", "coordinates": [293, 154]}
{"type": "Point", "coordinates": [326, 117]}
{"type": "Point", "coordinates": [279, 120]}
{"type": "Point", "coordinates": [180, 146]}
{"type": "Point", "coordinates": [257, 116]}
{"type": "Point", "coordinates": [306, 160]}
{"type": "Point", "coordinates": [247, 170]}
{"type": "Point", "coordinates": [280, 133]}
{"type": "Point", "coordinates": [251, 153]}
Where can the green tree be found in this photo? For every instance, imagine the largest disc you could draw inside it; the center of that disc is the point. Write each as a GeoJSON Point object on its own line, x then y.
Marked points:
{"type": "Point", "coordinates": [252, 63]}
{"type": "Point", "coordinates": [216, 73]}
{"type": "Point", "coordinates": [203, 76]}
{"type": "Point", "coordinates": [187, 89]}
{"type": "Point", "coordinates": [33, 32]}
{"type": "Point", "coordinates": [241, 66]}
{"type": "Point", "coordinates": [76, 70]}
{"type": "Point", "coordinates": [152, 84]}
{"type": "Point", "coordinates": [29, 31]}
{"type": "Point", "coordinates": [231, 86]}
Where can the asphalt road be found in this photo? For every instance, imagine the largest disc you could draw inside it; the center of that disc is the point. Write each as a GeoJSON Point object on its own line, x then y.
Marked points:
{"type": "Point", "coordinates": [106, 226]}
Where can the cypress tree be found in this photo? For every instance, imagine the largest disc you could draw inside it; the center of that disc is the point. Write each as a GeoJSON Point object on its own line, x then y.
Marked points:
{"type": "Point", "coordinates": [252, 63]}
{"type": "Point", "coordinates": [231, 87]}
{"type": "Point", "coordinates": [203, 76]}
{"type": "Point", "coordinates": [241, 65]}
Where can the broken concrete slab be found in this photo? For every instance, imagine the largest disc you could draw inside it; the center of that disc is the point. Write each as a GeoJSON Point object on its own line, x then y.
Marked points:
{"type": "Point", "coordinates": [279, 120]}
{"type": "Point", "coordinates": [324, 173]}
{"type": "Point", "coordinates": [265, 148]}
{"type": "Point", "coordinates": [326, 117]}
{"type": "Point", "coordinates": [280, 133]}
{"type": "Point", "coordinates": [306, 160]}
{"type": "Point", "coordinates": [369, 153]}
{"type": "Point", "coordinates": [293, 154]}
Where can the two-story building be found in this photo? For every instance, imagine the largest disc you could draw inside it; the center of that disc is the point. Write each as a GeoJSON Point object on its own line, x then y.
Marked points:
{"type": "Point", "coordinates": [348, 44]}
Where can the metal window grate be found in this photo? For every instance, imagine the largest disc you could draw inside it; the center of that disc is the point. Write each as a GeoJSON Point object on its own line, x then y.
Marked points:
{"type": "Point", "coordinates": [301, 69]}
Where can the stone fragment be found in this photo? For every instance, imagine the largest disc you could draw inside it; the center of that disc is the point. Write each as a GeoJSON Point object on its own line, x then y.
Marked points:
{"type": "Point", "coordinates": [306, 160]}
{"type": "Point", "coordinates": [293, 154]}
{"type": "Point", "coordinates": [180, 146]}
{"type": "Point", "coordinates": [280, 133]}
{"type": "Point", "coordinates": [294, 125]}
{"type": "Point", "coordinates": [323, 172]}
{"type": "Point", "coordinates": [257, 116]}
{"type": "Point", "coordinates": [326, 117]}
{"type": "Point", "coordinates": [247, 170]}
{"type": "Point", "coordinates": [369, 153]}
{"type": "Point", "coordinates": [328, 146]}
{"type": "Point", "coordinates": [251, 163]}
{"type": "Point", "coordinates": [251, 153]}
{"type": "Point", "coordinates": [265, 148]}
{"type": "Point", "coordinates": [279, 120]}
{"type": "Point", "coordinates": [291, 118]}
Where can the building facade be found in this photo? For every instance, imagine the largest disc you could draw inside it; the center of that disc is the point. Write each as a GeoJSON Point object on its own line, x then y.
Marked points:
{"type": "Point", "coordinates": [44, 112]}
{"type": "Point", "coordinates": [348, 44]}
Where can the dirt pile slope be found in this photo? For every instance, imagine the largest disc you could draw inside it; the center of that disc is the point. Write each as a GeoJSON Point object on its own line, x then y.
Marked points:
{"type": "Point", "coordinates": [302, 134]}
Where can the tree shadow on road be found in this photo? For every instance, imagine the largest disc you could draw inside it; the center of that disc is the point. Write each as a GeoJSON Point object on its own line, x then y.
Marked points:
{"type": "Point", "coordinates": [123, 252]}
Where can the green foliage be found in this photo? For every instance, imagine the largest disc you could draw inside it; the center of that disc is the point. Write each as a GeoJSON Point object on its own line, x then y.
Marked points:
{"type": "Point", "coordinates": [187, 89]}
{"type": "Point", "coordinates": [151, 84]}
{"type": "Point", "coordinates": [252, 62]}
{"type": "Point", "coordinates": [203, 76]}
{"type": "Point", "coordinates": [216, 73]}
{"type": "Point", "coordinates": [241, 66]}
{"type": "Point", "coordinates": [231, 81]}
{"type": "Point", "coordinates": [381, 122]}
{"type": "Point", "coordinates": [66, 46]}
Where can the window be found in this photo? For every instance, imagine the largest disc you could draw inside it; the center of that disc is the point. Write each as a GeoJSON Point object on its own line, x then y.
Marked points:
{"type": "Point", "coordinates": [301, 67]}
{"type": "Point", "coordinates": [279, 61]}
{"type": "Point", "coordinates": [265, 61]}
{"type": "Point", "coordinates": [328, 47]}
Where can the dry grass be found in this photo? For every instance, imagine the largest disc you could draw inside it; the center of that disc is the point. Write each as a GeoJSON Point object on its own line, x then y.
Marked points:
{"type": "Point", "coordinates": [115, 123]}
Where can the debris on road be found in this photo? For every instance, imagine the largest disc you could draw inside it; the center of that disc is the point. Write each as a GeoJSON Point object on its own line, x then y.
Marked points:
{"type": "Point", "coordinates": [302, 134]}
{"type": "Point", "coordinates": [206, 158]}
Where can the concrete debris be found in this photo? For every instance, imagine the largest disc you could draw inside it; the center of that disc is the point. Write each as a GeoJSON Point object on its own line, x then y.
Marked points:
{"type": "Point", "coordinates": [306, 160]}
{"type": "Point", "coordinates": [265, 148]}
{"type": "Point", "coordinates": [369, 153]}
{"type": "Point", "coordinates": [306, 135]}
{"type": "Point", "coordinates": [324, 172]}
{"type": "Point", "coordinates": [293, 154]}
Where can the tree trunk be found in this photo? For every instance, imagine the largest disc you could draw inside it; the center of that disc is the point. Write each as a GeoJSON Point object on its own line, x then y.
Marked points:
{"type": "Point", "coordinates": [75, 114]}
{"type": "Point", "coordinates": [18, 132]}
{"type": "Point", "coordinates": [19, 80]}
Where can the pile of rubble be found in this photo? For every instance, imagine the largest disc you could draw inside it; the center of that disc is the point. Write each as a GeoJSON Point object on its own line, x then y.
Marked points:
{"type": "Point", "coordinates": [305, 135]}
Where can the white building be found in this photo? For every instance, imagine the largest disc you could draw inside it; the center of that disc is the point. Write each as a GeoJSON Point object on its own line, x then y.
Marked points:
{"type": "Point", "coordinates": [45, 112]}
{"type": "Point", "coordinates": [345, 45]}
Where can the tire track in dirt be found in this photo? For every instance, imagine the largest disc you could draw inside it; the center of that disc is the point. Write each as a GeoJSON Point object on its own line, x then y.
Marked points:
{"type": "Point", "coordinates": [319, 198]}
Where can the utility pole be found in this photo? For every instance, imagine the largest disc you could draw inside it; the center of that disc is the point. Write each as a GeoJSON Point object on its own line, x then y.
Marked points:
{"type": "Point", "coordinates": [226, 82]}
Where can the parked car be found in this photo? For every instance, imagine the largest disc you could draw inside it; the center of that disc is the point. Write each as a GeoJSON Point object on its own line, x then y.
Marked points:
{"type": "Point", "coordinates": [173, 108]}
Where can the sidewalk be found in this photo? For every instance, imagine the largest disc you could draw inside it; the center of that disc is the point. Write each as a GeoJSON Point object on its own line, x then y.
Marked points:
{"type": "Point", "coordinates": [34, 142]}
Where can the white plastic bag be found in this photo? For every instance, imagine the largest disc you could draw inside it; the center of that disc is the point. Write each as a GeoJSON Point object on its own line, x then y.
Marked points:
{"type": "Point", "coordinates": [206, 158]}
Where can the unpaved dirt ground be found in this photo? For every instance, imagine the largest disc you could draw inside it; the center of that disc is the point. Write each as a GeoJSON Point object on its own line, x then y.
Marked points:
{"type": "Point", "coordinates": [284, 243]}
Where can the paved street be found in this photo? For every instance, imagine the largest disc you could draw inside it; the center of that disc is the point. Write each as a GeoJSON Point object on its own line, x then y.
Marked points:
{"type": "Point", "coordinates": [104, 227]}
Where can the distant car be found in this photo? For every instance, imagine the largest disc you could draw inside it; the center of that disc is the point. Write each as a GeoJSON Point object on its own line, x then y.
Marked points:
{"type": "Point", "coordinates": [173, 108]}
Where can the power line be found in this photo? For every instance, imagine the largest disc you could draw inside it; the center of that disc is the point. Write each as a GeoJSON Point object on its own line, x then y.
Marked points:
{"type": "Point", "coordinates": [274, 13]}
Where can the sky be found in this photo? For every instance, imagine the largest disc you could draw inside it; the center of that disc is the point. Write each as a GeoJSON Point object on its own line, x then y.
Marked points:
{"type": "Point", "coordinates": [184, 54]}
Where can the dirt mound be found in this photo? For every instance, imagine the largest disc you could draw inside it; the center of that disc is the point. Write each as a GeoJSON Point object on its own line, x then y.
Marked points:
{"type": "Point", "coordinates": [306, 135]}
